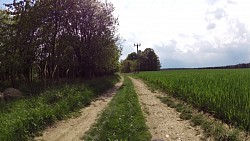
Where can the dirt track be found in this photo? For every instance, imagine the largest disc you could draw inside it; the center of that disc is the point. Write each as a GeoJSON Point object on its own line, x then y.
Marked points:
{"type": "Point", "coordinates": [73, 129]}
{"type": "Point", "coordinates": [163, 122]}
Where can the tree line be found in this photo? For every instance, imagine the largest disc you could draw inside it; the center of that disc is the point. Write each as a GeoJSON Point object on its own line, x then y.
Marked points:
{"type": "Point", "coordinates": [238, 66]}
{"type": "Point", "coordinates": [52, 39]}
{"type": "Point", "coordinates": [146, 60]}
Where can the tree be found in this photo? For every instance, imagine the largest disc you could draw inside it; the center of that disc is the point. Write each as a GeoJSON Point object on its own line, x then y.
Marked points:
{"type": "Point", "coordinates": [132, 56]}
{"type": "Point", "coordinates": [128, 66]}
{"type": "Point", "coordinates": [9, 58]}
{"type": "Point", "coordinates": [21, 43]}
{"type": "Point", "coordinates": [58, 38]}
{"type": "Point", "coordinates": [149, 61]}
{"type": "Point", "coordinates": [3, 36]}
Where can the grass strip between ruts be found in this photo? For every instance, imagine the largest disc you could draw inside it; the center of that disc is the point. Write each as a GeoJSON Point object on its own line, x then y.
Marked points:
{"type": "Point", "coordinates": [122, 120]}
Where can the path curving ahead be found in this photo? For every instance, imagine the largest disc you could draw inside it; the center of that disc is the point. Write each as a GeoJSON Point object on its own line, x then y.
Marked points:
{"type": "Point", "coordinates": [163, 122]}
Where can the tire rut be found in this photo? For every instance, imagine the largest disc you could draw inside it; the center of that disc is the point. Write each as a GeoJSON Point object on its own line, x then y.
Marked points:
{"type": "Point", "coordinates": [164, 122]}
{"type": "Point", "coordinates": [73, 129]}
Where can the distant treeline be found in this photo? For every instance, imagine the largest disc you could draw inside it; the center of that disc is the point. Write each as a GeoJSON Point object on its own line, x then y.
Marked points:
{"type": "Point", "coordinates": [238, 66]}
{"type": "Point", "coordinates": [242, 65]}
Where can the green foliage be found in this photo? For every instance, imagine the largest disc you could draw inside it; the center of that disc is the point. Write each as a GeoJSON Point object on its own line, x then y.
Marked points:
{"type": "Point", "coordinates": [224, 93]}
{"type": "Point", "coordinates": [23, 118]}
{"type": "Point", "coordinates": [149, 61]}
{"type": "Point", "coordinates": [122, 120]}
{"type": "Point", "coordinates": [57, 39]}
{"type": "Point", "coordinates": [132, 56]}
{"type": "Point", "coordinates": [211, 128]}
{"type": "Point", "coordinates": [145, 61]}
{"type": "Point", "coordinates": [128, 66]}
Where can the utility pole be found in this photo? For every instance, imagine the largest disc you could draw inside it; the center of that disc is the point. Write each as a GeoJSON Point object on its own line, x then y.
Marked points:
{"type": "Point", "coordinates": [138, 63]}
{"type": "Point", "coordinates": [137, 45]}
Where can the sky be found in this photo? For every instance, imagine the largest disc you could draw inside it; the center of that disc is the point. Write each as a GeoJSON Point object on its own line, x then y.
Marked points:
{"type": "Point", "coordinates": [186, 33]}
{"type": "Point", "coordinates": [4, 2]}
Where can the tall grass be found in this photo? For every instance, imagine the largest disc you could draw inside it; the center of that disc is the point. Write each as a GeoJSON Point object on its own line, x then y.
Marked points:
{"type": "Point", "coordinates": [19, 120]}
{"type": "Point", "coordinates": [122, 120]}
{"type": "Point", "coordinates": [224, 93]}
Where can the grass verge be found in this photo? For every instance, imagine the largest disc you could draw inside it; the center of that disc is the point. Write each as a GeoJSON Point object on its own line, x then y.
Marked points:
{"type": "Point", "coordinates": [22, 119]}
{"type": "Point", "coordinates": [122, 120]}
{"type": "Point", "coordinates": [211, 128]}
{"type": "Point", "coordinates": [224, 93]}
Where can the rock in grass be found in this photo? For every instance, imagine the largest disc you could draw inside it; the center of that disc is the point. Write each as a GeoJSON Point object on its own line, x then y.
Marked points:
{"type": "Point", "coordinates": [11, 94]}
{"type": "Point", "coordinates": [1, 97]}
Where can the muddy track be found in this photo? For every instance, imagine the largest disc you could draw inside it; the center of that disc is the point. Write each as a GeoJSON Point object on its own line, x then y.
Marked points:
{"type": "Point", "coordinates": [164, 122]}
{"type": "Point", "coordinates": [74, 129]}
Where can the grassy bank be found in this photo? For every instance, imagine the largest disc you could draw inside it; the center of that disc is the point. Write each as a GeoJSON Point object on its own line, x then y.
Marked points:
{"type": "Point", "coordinates": [20, 120]}
{"type": "Point", "coordinates": [122, 120]}
{"type": "Point", "coordinates": [211, 128]}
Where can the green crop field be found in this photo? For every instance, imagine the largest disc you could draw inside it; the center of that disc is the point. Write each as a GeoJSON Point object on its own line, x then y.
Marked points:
{"type": "Point", "coordinates": [224, 93]}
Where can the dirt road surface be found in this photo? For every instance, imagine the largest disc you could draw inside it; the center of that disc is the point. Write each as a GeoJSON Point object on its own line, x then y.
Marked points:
{"type": "Point", "coordinates": [164, 122]}
{"type": "Point", "coordinates": [73, 129]}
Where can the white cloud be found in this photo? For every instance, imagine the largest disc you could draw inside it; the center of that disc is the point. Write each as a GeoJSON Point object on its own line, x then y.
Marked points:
{"type": "Point", "coordinates": [211, 26]}
{"type": "Point", "coordinates": [191, 33]}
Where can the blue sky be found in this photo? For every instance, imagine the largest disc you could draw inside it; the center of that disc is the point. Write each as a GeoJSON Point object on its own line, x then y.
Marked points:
{"type": "Point", "coordinates": [4, 1]}
{"type": "Point", "coordinates": [186, 33]}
